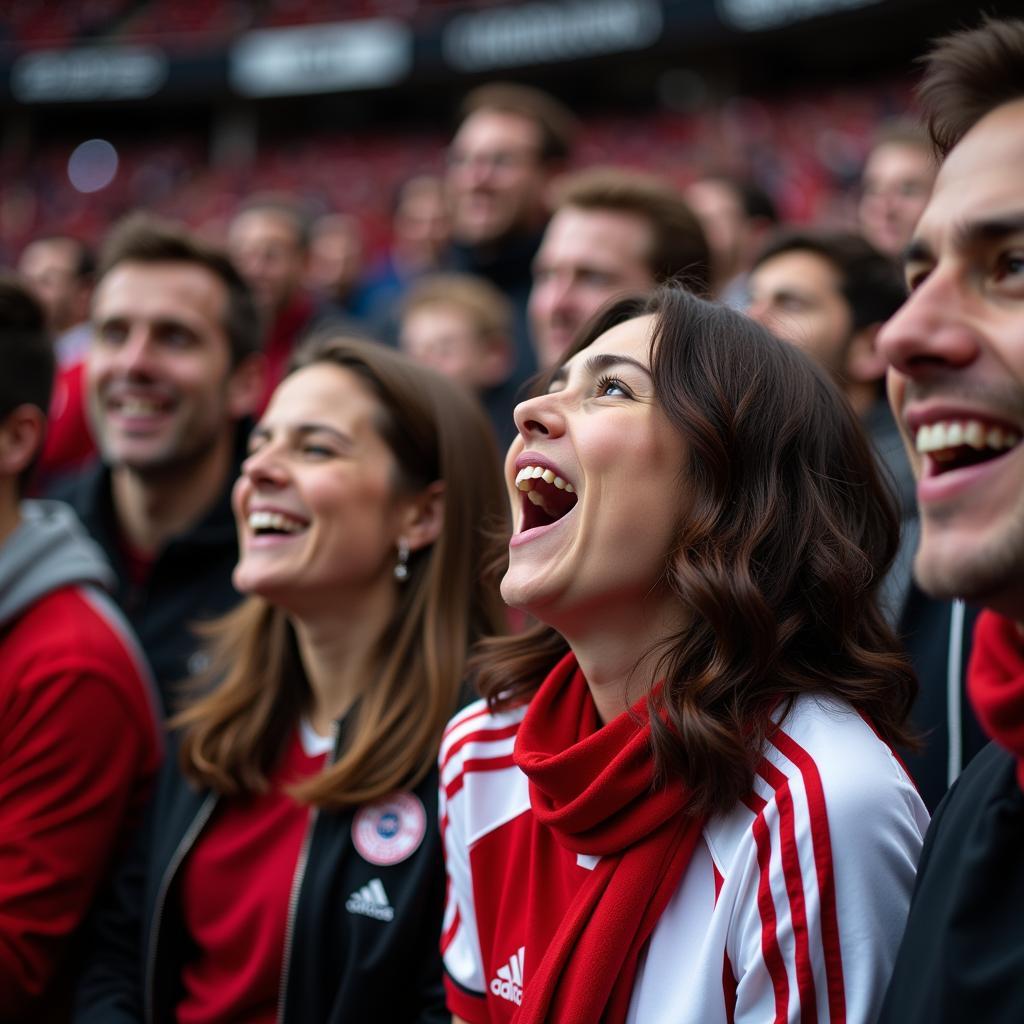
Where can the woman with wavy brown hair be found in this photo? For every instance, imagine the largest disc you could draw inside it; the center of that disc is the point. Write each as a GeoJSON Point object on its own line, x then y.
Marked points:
{"type": "Point", "coordinates": [677, 801]}
{"type": "Point", "coordinates": [292, 868]}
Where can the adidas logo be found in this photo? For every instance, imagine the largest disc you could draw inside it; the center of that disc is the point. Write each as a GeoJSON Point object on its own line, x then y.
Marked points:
{"type": "Point", "coordinates": [509, 982]}
{"type": "Point", "coordinates": [372, 901]}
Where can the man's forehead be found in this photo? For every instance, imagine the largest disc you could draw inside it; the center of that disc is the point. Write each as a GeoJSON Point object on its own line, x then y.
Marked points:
{"type": "Point", "coordinates": [982, 173]}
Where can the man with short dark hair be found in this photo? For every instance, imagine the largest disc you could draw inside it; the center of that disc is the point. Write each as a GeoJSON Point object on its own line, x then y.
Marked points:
{"type": "Point", "coordinates": [174, 372]}
{"type": "Point", "coordinates": [510, 143]}
{"type": "Point", "coordinates": [829, 292]}
{"type": "Point", "coordinates": [612, 231]}
{"type": "Point", "coordinates": [737, 216]}
{"type": "Point", "coordinates": [79, 739]}
{"type": "Point", "coordinates": [956, 383]}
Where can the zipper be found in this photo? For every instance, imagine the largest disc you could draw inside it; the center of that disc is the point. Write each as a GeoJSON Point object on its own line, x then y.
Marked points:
{"type": "Point", "coordinates": [297, 879]}
{"type": "Point", "coordinates": [180, 852]}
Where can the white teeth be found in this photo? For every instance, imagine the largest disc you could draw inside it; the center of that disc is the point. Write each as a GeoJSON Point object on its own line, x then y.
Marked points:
{"type": "Point", "coordinates": [138, 407]}
{"type": "Point", "coordinates": [526, 476]}
{"type": "Point", "coordinates": [946, 434]}
{"type": "Point", "coordinates": [974, 434]}
{"type": "Point", "coordinates": [534, 498]}
{"type": "Point", "coordinates": [264, 520]}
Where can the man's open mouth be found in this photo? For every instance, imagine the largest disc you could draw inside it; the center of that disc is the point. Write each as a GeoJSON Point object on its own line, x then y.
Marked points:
{"type": "Point", "coordinates": [547, 497]}
{"type": "Point", "coordinates": [955, 444]}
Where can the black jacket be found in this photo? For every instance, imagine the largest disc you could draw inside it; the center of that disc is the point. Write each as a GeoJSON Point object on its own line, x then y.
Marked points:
{"type": "Point", "coordinates": [189, 582]}
{"type": "Point", "coordinates": [962, 956]}
{"type": "Point", "coordinates": [343, 965]}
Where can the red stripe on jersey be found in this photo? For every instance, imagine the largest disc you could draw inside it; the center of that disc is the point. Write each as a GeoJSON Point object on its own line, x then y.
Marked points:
{"type": "Point", "coordinates": [822, 846]}
{"type": "Point", "coordinates": [892, 750]}
{"type": "Point", "coordinates": [461, 719]}
{"type": "Point", "coordinates": [719, 881]}
{"type": "Point", "coordinates": [770, 949]}
{"type": "Point", "coordinates": [794, 889]}
{"type": "Point", "coordinates": [481, 735]}
{"type": "Point", "coordinates": [729, 989]}
{"type": "Point", "coordinates": [449, 934]}
{"type": "Point", "coordinates": [477, 764]}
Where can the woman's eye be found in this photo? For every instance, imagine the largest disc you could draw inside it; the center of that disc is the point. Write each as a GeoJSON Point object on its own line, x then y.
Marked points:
{"type": "Point", "coordinates": [613, 387]}
{"type": "Point", "coordinates": [317, 451]}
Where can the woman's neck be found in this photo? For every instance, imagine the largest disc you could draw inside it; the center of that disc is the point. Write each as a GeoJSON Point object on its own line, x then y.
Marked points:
{"type": "Point", "coordinates": [618, 651]}
{"type": "Point", "coordinates": [339, 652]}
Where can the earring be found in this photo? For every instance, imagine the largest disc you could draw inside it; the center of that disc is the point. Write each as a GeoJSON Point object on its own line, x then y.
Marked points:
{"type": "Point", "coordinates": [402, 565]}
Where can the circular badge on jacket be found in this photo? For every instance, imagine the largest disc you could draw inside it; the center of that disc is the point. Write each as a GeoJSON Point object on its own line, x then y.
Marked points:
{"type": "Point", "coordinates": [390, 830]}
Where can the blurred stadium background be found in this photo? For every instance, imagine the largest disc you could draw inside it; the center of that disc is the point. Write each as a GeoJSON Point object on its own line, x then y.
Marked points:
{"type": "Point", "coordinates": [185, 107]}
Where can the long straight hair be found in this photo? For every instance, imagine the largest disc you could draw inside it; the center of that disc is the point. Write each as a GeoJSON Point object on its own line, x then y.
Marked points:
{"type": "Point", "coordinates": [785, 532]}
{"type": "Point", "coordinates": [233, 736]}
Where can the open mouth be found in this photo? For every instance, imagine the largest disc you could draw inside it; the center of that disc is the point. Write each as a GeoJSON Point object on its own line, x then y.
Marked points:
{"type": "Point", "coordinates": [139, 406]}
{"type": "Point", "coordinates": [546, 496]}
{"type": "Point", "coordinates": [264, 523]}
{"type": "Point", "coordinates": [956, 444]}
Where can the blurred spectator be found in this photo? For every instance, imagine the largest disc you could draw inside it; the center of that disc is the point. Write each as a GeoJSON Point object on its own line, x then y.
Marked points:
{"type": "Point", "coordinates": [420, 237]}
{"type": "Point", "coordinates": [511, 141]}
{"type": "Point", "coordinates": [895, 185]}
{"type": "Point", "coordinates": [737, 217]}
{"type": "Point", "coordinates": [79, 740]}
{"type": "Point", "coordinates": [829, 292]}
{"type": "Point", "coordinates": [173, 372]}
{"type": "Point", "coordinates": [461, 326]}
{"type": "Point", "coordinates": [269, 242]}
{"type": "Point", "coordinates": [60, 271]}
{"type": "Point", "coordinates": [336, 262]}
{"type": "Point", "coordinates": [613, 231]}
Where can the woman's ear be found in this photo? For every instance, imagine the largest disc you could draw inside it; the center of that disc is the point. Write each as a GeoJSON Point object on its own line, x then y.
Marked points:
{"type": "Point", "coordinates": [424, 517]}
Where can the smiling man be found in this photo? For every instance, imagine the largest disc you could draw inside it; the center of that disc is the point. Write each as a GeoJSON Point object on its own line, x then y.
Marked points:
{"type": "Point", "coordinates": [956, 382]}
{"type": "Point", "coordinates": [613, 231]}
{"type": "Point", "coordinates": [511, 141]}
{"type": "Point", "coordinates": [173, 371]}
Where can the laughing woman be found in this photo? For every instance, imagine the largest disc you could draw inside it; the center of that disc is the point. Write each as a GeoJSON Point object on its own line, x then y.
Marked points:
{"type": "Point", "coordinates": [292, 869]}
{"type": "Point", "coordinates": [678, 804]}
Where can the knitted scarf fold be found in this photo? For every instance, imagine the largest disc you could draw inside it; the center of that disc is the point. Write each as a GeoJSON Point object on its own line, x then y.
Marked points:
{"type": "Point", "coordinates": [995, 683]}
{"type": "Point", "coordinates": [592, 786]}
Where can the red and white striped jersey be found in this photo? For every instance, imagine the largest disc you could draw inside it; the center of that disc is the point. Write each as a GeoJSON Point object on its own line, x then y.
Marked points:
{"type": "Point", "coordinates": [790, 911]}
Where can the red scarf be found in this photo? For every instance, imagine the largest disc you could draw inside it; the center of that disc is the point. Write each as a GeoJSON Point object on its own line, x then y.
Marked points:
{"type": "Point", "coordinates": [592, 787]}
{"type": "Point", "coordinates": [995, 683]}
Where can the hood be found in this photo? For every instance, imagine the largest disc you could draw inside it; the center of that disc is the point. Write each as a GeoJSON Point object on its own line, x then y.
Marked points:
{"type": "Point", "coordinates": [49, 549]}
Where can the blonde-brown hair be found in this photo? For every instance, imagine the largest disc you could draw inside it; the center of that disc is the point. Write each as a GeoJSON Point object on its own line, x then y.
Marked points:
{"type": "Point", "coordinates": [485, 306]}
{"type": "Point", "coordinates": [233, 736]}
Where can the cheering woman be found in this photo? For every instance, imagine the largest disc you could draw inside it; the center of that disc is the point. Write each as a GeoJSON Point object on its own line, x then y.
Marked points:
{"type": "Point", "coordinates": [677, 803]}
{"type": "Point", "coordinates": [292, 869]}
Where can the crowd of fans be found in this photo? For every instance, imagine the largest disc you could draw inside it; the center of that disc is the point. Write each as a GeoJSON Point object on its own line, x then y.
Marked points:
{"type": "Point", "coordinates": [251, 508]}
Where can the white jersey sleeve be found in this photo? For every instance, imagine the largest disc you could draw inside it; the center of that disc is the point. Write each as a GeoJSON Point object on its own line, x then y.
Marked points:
{"type": "Point", "coordinates": [824, 892]}
{"type": "Point", "coordinates": [460, 944]}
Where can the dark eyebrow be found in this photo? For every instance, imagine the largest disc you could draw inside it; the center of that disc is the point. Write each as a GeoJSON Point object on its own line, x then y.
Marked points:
{"type": "Point", "coordinates": [596, 364]}
{"type": "Point", "coordinates": [991, 230]}
{"type": "Point", "coordinates": [304, 429]}
{"type": "Point", "coordinates": [967, 235]}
